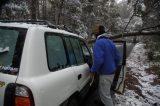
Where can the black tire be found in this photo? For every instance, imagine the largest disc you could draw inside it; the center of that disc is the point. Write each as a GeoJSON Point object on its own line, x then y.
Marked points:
{"type": "Point", "coordinates": [73, 101]}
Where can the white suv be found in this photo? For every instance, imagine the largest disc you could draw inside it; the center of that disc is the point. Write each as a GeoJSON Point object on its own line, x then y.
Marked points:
{"type": "Point", "coordinates": [41, 66]}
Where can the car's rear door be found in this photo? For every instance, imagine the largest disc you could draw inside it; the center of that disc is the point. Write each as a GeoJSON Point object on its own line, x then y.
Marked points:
{"type": "Point", "coordinates": [11, 45]}
{"type": "Point", "coordinates": [78, 63]}
{"type": "Point", "coordinates": [119, 78]}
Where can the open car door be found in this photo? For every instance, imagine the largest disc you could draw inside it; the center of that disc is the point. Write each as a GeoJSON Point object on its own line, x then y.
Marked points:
{"type": "Point", "coordinates": [119, 78]}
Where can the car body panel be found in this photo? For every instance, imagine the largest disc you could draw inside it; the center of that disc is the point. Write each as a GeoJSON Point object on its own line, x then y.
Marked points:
{"type": "Point", "coordinates": [83, 72]}
{"type": "Point", "coordinates": [48, 88]}
{"type": "Point", "coordinates": [51, 89]}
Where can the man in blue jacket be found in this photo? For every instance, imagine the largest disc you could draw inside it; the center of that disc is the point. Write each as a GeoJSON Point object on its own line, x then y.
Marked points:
{"type": "Point", "coordinates": [106, 60]}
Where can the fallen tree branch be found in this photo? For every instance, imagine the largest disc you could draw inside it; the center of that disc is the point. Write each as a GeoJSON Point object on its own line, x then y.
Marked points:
{"type": "Point", "coordinates": [145, 33]}
{"type": "Point", "coordinates": [152, 27]}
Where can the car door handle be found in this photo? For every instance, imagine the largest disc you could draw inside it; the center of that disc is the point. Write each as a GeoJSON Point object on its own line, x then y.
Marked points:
{"type": "Point", "coordinates": [79, 76]}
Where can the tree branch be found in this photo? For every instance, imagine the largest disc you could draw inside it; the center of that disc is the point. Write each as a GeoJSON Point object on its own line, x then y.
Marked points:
{"type": "Point", "coordinates": [135, 6]}
{"type": "Point", "coordinates": [145, 33]}
{"type": "Point", "coordinates": [152, 27]}
{"type": "Point", "coordinates": [128, 23]}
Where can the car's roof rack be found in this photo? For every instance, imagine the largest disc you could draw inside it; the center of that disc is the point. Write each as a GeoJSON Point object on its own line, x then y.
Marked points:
{"type": "Point", "coordinates": [39, 22]}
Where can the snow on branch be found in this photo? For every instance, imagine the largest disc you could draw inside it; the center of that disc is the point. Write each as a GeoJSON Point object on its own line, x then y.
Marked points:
{"type": "Point", "coordinates": [144, 33]}
{"type": "Point", "coordinates": [138, 33]}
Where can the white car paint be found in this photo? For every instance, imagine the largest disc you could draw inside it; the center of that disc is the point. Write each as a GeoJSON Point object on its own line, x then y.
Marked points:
{"type": "Point", "coordinates": [48, 88]}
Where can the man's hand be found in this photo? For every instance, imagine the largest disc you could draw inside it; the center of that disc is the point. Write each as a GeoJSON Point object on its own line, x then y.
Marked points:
{"type": "Point", "coordinates": [91, 75]}
{"type": "Point", "coordinates": [92, 78]}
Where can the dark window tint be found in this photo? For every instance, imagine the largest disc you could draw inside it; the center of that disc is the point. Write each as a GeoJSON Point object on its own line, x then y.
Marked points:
{"type": "Point", "coordinates": [71, 54]}
{"type": "Point", "coordinates": [85, 50]}
{"type": "Point", "coordinates": [77, 50]}
{"type": "Point", "coordinates": [56, 52]}
{"type": "Point", "coordinates": [11, 46]}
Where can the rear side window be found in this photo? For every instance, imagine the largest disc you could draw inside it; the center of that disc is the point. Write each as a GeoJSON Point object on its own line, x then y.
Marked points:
{"type": "Point", "coordinates": [55, 52]}
{"type": "Point", "coordinates": [71, 54]}
{"type": "Point", "coordinates": [77, 50]}
{"type": "Point", "coordinates": [11, 46]}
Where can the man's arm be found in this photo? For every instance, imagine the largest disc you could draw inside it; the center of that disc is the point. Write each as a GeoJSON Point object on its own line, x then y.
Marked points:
{"type": "Point", "coordinates": [98, 56]}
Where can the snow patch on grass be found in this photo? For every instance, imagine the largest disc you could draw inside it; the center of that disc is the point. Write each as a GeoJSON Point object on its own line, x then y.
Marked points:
{"type": "Point", "coordinates": [138, 63]}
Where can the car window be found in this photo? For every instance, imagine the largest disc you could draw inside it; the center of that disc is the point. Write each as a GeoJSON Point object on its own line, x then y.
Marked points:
{"type": "Point", "coordinates": [11, 46]}
{"type": "Point", "coordinates": [77, 50]}
{"type": "Point", "coordinates": [85, 50]}
{"type": "Point", "coordinates": [86, 53]}
{"type": "Point", "coordinates": [55, 52]}
{"type": "Point", "coordinates": [70, 51]}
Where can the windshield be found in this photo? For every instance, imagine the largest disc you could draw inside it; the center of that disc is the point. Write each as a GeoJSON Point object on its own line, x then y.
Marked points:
{"type": "Point", "coordinates": [11, 46]}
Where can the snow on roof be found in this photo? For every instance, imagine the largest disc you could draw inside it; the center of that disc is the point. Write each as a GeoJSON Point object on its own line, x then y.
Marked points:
{"type": "Point", "coordinates": [42, 27]}
{"type": "Point", "coordinates": [18, 25]}
{"type": "Point", "coordinates": [59, 31]}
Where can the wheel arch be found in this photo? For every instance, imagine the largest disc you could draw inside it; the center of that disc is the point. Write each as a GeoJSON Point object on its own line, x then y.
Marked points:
{"type": "Point", "coordinates": [75, 94]}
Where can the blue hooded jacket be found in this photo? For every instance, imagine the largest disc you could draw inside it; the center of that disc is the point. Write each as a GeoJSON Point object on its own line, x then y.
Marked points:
{"type": "Point", "coordinates": [106, 56]}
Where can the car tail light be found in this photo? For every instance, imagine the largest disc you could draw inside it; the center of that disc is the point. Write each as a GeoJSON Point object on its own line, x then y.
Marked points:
{"type": "Point", "coordinates": [18, 95]}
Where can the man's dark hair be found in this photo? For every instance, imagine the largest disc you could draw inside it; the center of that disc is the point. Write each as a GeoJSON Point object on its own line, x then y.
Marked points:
{"type": "Point", "coordinates": [101, 29]}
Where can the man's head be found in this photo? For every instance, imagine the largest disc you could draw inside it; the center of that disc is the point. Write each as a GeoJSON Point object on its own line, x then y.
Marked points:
{"type": "Point", "coordinates": [98, 30]}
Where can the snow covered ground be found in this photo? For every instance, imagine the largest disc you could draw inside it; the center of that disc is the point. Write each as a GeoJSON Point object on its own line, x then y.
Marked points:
{"type": "Point", "coordinates": [139, 89]}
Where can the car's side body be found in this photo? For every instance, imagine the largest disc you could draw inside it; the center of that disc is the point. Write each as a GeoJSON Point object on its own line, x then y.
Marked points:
{"type": "Point", "coordinates": [49, 86]}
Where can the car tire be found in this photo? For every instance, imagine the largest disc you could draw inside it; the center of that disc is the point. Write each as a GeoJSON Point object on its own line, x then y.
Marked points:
{"type": "Point", "coordinates": [73, 101]}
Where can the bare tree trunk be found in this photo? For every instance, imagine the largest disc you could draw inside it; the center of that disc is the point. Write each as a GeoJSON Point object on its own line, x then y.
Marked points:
{"type": "Point", "coordinates": [0, 13]}
{"type": "Point", "coordinates": [2, 3]}
{"type": "Point", "coordinates": [44, 14]}
{"type": "Point", "coordinates": [60, 11]}
{"type": "Point", "coordinates": [63, 16]}
{"type": "Point", "coordinates": [33, 9]}
{"type": "Point", "coordinates": [38, 14]}
{"type": "Point", "coordinates": [54, 11]}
